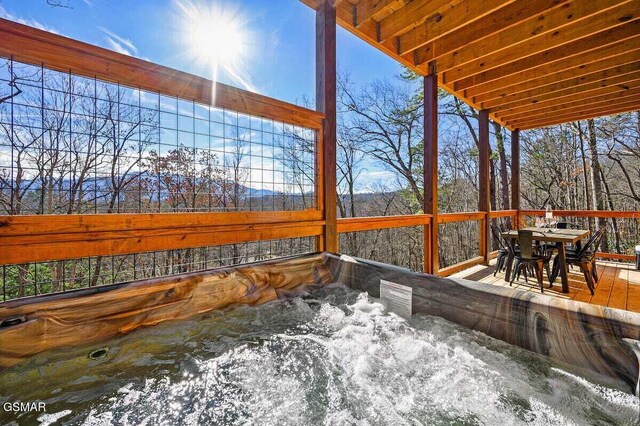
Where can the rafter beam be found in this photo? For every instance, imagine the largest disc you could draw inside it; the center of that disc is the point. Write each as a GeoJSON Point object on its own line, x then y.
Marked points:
{"type": "Point", "coordinates": [364, 10]}
{"type": "Point", "coordinates": [502, 20]}
{"type": "Point", "coordinates": [367, 32]}
{"type": "Point", "coordinates": [545, 78]}
{"type": "Point", "coordinates": [561, 53]}
{"type": "Point", "coordinates": [412, 14]}
{"type": "Point", "coordinates": [611, 76]}
{"type": "Point", "coordinates": [578, 23]}
{"type": "Point", "coordinates": [553, 120]}
{"type": "Point", "coordinates": [577, 106]}
{"type": "Point", "coordinates": [591, 90]}
{"type": "Point", "coordinates": [603, 110]}
{"type": "Point", "coordinates": [440, 24]}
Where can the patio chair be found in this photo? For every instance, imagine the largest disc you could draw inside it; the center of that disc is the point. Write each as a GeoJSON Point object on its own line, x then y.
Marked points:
{"type": "Point", "coordinates": [530, 258]}
{"type": "Point", "coordinates": [565, 225]}
{"type": "Point", "coordinates": [585, 259]}
{"type": "Point", "coordinates": [503, 250]}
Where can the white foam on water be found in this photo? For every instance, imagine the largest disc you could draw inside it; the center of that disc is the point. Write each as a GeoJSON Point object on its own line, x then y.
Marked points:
{"type": "Point", "coordinates": [613, 396]}
{"type": "Point", "coordinates": [356, 364]}
{"type": "Point", "coordinates": [50, 418]}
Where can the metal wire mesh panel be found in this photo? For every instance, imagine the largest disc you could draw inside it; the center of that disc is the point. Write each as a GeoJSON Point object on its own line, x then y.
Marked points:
{"type": "Point", "coordinates": [47, 277]}
{"type": "Point", "coordinates": [76, 145]}
{"type": "Point", "coordinates": [70, 144]}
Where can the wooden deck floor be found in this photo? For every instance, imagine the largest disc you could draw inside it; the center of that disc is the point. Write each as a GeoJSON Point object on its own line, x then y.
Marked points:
{"type": "Point", "coordinates": [618, 286]}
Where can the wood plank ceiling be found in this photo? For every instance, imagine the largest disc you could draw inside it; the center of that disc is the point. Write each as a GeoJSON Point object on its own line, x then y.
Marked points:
{"type": "Point", "coordinates": [530, 63]}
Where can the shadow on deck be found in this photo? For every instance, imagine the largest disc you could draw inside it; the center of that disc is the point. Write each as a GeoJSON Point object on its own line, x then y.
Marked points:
{"type": "Point", "coordinates": [618, 285]}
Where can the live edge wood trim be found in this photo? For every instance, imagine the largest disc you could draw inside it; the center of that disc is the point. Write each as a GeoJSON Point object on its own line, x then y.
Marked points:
{"type": "Point", "coordinates": [79, 318]}
{"type": "Point", "coordinates": [43, 238]}
{"type": "Point", "coordinates": [37, 47]}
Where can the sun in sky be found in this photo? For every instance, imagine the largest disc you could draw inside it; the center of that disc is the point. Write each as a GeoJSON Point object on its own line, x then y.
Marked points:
{"type": "Point", "coordinates": [216, 35]}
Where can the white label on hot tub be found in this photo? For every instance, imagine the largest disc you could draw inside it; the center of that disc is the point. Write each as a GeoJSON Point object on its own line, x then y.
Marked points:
{"type": "Point", "coordinates": [396, 297]}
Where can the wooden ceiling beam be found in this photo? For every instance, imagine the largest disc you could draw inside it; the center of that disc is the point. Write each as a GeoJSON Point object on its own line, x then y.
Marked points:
{"type": "Point", "coordinates": [313, 4]}
{"type": "Point", "coordinates": [364, 10]}
{"type": "Point", "coordinates": [446, 22]}
{"type": "Point", "coordinates": [413, 14]}
{"type": "Point", "coordinates": [611, 85]}
{"type": "Point", "coordinates": [368, 33]}
{"type": "Point", "coordinates": [570, 23]}
{"type": "Point", "coordinates": [503, 19]}
{"type": "Point", "coordinates": [628, 100]}
{"type": "Point", "coordinates": [598, 41]}
{"type": "Point", "coordinates": [480, 94]}
{"type": "Point", "coordinates": [576, 106]}
{"type": "Point", "coordinates": [559, 119]}
{"type": "Point", "coordinates": [599, 79]}
{"type": "Point", "coordinates": [517, 59]}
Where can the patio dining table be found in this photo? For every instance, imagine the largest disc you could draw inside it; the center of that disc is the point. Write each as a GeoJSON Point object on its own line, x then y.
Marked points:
{"type": "Point", "coordinates": [560, 237]}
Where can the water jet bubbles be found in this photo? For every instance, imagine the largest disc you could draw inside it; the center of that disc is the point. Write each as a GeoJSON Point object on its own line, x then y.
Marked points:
{"type": "Point", "coordinates": [343, 361]}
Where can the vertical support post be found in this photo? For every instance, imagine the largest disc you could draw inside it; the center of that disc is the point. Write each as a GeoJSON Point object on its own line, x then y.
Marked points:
{"type": "Point", "coordinates": [326, 103]}
{"type": "Point", "coordinates": [515, 174]}
{"type": "Point", "coordinates": [430, 199]}
{"type": "Point", "coordinates": [484, 204]}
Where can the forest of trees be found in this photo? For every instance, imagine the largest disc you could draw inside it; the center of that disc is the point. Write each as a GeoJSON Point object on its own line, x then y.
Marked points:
{"type": "Point", "coordinates": [587, 165]}
{"type": "Point", "coordinates": [71, 145]}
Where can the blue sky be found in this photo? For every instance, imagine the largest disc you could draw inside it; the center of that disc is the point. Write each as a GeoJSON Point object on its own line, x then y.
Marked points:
{"type": "Point", "coordinates": [280, 58]}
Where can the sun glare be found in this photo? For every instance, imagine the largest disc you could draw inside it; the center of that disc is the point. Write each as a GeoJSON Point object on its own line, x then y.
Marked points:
{"type": "Point", "coordinates": [216, 36]}
{"type": "Point", "coordinates": [216, 39]}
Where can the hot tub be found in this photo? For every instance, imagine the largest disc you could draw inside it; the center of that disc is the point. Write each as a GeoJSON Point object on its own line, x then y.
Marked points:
{"type": "Point", "coordinates": [304, 340]}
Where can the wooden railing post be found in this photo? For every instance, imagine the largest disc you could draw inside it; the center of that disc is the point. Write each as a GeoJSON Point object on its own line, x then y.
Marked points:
{"type": "Point", "coordinates": [326, 103]}
{"type": "Point", "coordinates": [515, 175]}
{"type": "Point", "coordinates": [430, 199]}
{"type": "Point", "coordinates": [484, 204]}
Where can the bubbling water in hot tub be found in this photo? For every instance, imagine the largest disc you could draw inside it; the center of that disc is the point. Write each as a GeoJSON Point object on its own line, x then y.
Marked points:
{"type": "Point", "coordinates": [331, 356]}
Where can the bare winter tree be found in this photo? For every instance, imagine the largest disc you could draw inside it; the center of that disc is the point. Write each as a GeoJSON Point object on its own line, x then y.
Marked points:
{"type": "Point", "coordinates": [386, 120]}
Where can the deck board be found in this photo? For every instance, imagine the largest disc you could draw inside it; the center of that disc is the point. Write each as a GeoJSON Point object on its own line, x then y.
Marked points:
{"type": "Point", "coordinates": [618, 295]}
{"type": "Point", "coordinates": [633, 290]}
{"type": "Point", "coordinates": [618, 285]}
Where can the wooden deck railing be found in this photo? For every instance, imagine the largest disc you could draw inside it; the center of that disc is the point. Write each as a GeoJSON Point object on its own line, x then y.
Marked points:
{"type": "Point", "coordinates": [484, 251]}
{"type": "Point", "coordinates": [35, 238]}
{"type": "Point", "coordinates": [373, 223]}
{"type": "Point", "coordinates": [359, 224]}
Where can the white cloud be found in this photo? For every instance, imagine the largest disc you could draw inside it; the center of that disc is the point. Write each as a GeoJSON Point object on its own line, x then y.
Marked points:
{"type": "Point", "coordinates": [30, 22]}
{"type": "Point", "coordinates": [119, 44]}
